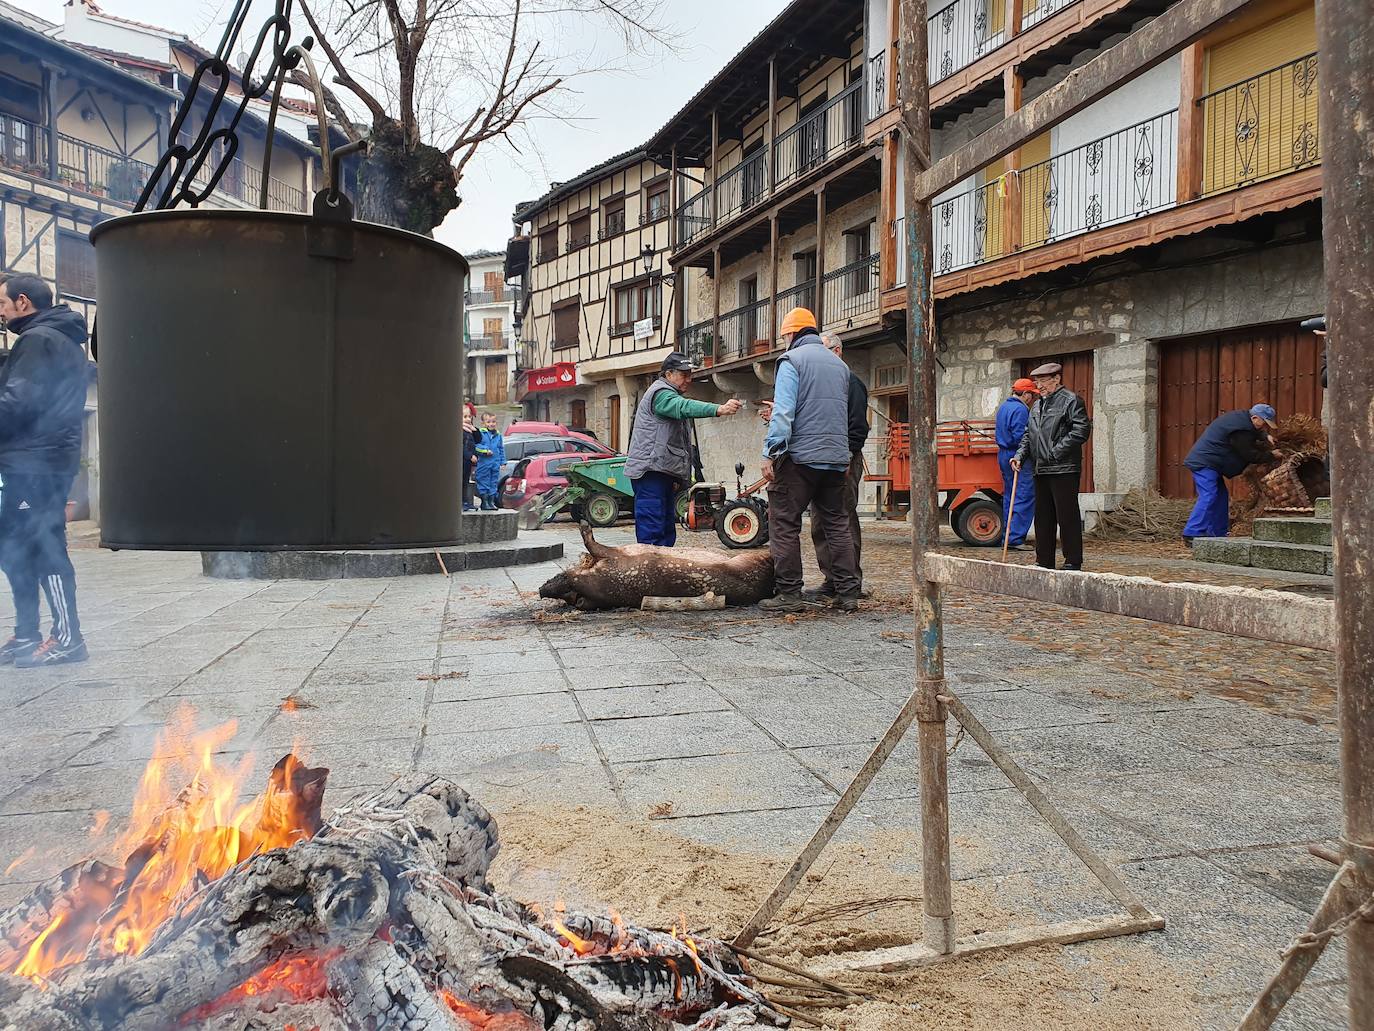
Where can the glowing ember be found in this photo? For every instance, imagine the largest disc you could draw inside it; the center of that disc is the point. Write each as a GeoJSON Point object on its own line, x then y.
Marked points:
{"type": "Point", "coordinates": [291, 978]}
{"type": "Point", "coordinates": [480, 1020]}
{"type": "Point", "coordinates": [187, 828]}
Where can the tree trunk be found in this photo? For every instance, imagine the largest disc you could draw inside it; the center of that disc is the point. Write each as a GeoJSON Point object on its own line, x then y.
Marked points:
{"type": "Point", "coordinates": [409, 188]}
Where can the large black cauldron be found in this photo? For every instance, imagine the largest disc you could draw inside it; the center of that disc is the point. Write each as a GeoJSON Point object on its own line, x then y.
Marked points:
{"type": "Point", "coordinates": [277, 381]}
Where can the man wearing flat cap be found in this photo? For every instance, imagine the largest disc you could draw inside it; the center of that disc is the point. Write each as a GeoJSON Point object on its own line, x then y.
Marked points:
{"type": "Point", "coordinates": [1053, 446]}
{"type": "Point", "coordinates": [1230, 445]}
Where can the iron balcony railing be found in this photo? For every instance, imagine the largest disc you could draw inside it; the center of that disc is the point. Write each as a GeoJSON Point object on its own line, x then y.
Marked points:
{"type": "Point", "coordinates": [1122, 176]}
{"type": "Point", "coordinates": [744, 331]}
{"type": "Point", "coordinates": [824, 134]}
{"type": "Point", "coordinates": [23, 146]}
{"type": "Point", "coordinates": [485, 297]}
{"type": "Point", "coordinates": [697, 342]}
{"type": "Point", "coordinates": [742, 187]}
{"type": "Point", "coordinates": [851, 292]}
{"type": "Point", "coordinates": [1261, 127]}
{"type": "Point", "coordinates": [877, 85]}
{"type": "Point", "coordinates": [694, 218]}
{"type": "Point", "coordinates": [493, 342]}
{"type": "Point", "coordinates": [961, 32]}
{"type": "Point", "coordinates": [803, 295]}
{"type": "Point", "coordinates": [1033, 14]}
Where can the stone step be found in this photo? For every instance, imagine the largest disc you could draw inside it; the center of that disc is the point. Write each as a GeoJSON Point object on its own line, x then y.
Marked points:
{"type": "Point", "coordinates": [1294, 530]}
{"type": "Point", "coordinates": [1277, 555]}
{"type": "Point", "coordinates": [1323, 508]}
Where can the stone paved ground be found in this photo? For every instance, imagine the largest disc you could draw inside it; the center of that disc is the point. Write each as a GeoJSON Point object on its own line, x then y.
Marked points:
{"type": "Point", "coordinates": [1201, 766]}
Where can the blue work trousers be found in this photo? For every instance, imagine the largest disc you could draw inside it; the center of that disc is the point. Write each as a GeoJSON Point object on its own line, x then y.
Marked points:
{"type": "Point", "coordinates": [655, 513]}
{"type": "Point", "coordinates": [1024, 514]}
{"type": "Point", "coordinates": [1212, 514]}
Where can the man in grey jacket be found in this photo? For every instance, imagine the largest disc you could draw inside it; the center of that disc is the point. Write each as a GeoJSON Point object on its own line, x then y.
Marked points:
{"type": "Point", "coordinates": [1059, 427]}
{"type": "Point", "coordinates": [806, 457]}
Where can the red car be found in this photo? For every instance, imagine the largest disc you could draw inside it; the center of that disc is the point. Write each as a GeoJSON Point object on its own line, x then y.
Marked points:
{"type": "Point", "coordinates": [538, 473]}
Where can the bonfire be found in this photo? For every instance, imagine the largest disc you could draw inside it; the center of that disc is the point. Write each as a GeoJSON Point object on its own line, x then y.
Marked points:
{"type": "Point", "coordinates": [264, 915]}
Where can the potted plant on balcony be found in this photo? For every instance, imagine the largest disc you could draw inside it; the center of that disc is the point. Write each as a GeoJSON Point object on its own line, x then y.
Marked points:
{"type": "Point", "coordinates": [125, 181]}
{"type": "Point", "coordinates": [35, 170]}
{"type": "Point", "coordinates": [708, 350]}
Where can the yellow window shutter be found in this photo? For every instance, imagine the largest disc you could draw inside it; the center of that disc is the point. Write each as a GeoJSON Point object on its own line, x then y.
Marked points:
{"type": "Point", "coordinates": [995, 240]}
{"type": "Point", "coordinates": [1035, 183]}
{"type": "Point", "coordinates": [1260, 115]}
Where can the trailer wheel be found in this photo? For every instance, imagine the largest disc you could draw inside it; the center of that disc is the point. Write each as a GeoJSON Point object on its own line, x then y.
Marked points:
{"type": "Point", "coordinates": [680, 503]}
{"type": "Point", "coordinates": [978, 522]}
{"type": "Point", "coordinates": [602, 509]}
{"type": "Point", "coordinates": [742, 524]}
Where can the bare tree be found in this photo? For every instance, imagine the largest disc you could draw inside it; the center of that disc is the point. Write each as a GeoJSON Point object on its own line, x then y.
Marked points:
{"type": "Point", "coordinates": [439, 79]}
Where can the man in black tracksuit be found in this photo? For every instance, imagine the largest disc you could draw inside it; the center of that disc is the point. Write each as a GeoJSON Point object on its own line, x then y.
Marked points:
{"type": "Point", "coordinates": [1059, 427]}
{"type": "Point", "coordinates": [42, 406]}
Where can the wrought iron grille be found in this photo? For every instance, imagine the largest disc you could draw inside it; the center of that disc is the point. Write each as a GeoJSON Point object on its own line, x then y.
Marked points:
{"type": "Point", "coordinates": [877, 85]}
{"type": "Point", "coordinates": [1035, 13]}
{"type": "Point", "coordinates": [1261, 127]}
{"type": "Point", "coordinates": [803, 295]}
{"type": "Point", "coordinates": [963, 31]}
{"type": "Point", "coordinates": [694, 218]}
{"type": "Point", "coordinates": [1125, 175]}
{"type": "Point", "coordinates": [851, 292]}
{"type": "Point", "coordinates": [822, 135]}
{"type": "Point", "coordinates": [743, 186]}
{"type": "Point", "coordinates": [968, 228]}
{"type": "Point", "coordinates": [697, 343]}
{"type": "Point", "coordinates": [744, 331]}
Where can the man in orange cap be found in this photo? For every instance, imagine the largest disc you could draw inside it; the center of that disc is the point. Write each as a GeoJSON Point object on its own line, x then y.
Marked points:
{"type": "Point", "coordinates": [1012, 417]}
{"type": "Point", "coordinates": [806, 458]}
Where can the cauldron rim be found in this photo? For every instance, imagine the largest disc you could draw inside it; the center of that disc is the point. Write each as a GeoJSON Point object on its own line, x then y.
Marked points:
{"type": "Point", "coordinates": [258, 215]}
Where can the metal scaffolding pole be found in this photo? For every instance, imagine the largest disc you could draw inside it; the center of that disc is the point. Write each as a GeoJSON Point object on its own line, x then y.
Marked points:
{"type": "Point", "coordinates": [1346, 47]}
{"type": "Point", "coordinates": [925, 514]}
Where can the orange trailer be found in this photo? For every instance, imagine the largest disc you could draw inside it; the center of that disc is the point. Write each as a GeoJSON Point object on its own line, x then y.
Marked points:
{"type": "Point", "coordinates": [970, 480]}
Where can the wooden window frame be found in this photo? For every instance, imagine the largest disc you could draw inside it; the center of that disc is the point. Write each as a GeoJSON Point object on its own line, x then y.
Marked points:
{"type": "Point", "coordinates": [643, 286]}
{"type": "Point", "coordinates": [609, 209]}
{"type": "Point", "coordinates": [543, 254]}
{"type": "Point", "coordinates": [557, 309]}
{"type": "Point", "coordinates": [576, 243]}
{"type": "Point", "coordinates": [660, 184]}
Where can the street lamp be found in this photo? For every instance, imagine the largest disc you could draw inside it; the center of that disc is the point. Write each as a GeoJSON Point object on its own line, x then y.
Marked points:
{"type": "Point", "coordinates": [647, 255]}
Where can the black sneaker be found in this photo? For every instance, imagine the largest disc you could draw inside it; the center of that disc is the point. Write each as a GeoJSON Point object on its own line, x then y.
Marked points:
{"type": "Point", "coordinates": [822, 595]}
{"type": "Point", "coordinates": [786, 603]}
{"type": "Point", "coordinates": [846, 603]}
{"type": "Point", "coordinates": [51, 653]}
{"type": "Point", "coordinates": [17, 646]}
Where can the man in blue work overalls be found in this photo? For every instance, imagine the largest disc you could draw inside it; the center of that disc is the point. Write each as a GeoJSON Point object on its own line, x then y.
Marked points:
{"type": "Point", "coordinates": [1012, 417]}
{"type": "Point", "coordinates": [1230, 445]}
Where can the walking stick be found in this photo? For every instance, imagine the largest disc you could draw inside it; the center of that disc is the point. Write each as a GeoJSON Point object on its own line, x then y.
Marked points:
{"type": "Point", "coordinates": [1011, 511]}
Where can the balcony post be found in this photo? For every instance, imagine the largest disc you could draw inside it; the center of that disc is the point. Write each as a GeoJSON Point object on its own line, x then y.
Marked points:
{"type": "Point", "coordinates": [1191, 149]}
{"type": "Point", "coordinates": [1016, 13]}
{"type": "Point", "coordinates": [672, 201]}
{"type": "Point", "coordinates": [894, 35]}
{"type": "Point", "coordinates": [50, 99]}
{"type": "Point", "coordinates": [769, 158]}
{"type": "Point", "coordinates": [1011, 194]}
{"type": "Point", "coordinates": [773, 278]}
{"type": "Point", "coordinates": [714, 197]}
{"type": "Point", "coordinates": [819, 299]}
{"type": "Point", "coordinates": [715, 301]}
{"type": "Point", "coordinates": [887, 242]}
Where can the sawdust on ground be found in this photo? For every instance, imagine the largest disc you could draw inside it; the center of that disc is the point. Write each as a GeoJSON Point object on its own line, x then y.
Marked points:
{"type": "Point", "coordinates": [594, 860]}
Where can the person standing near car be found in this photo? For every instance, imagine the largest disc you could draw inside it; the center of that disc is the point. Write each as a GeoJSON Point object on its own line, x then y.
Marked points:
{"type": "Point", "coordinates": [42, 406]}
{"type": "Point", "coordinates": [470, 438]}
{"type": "Point", "coordinates": [1058, 428]}
{"type": "Point", "coordinates": [491, 455]}
{"type": "Point", "coordinates": [1012, 417]}
{"type": "Point", "coordinates": [659, 462]}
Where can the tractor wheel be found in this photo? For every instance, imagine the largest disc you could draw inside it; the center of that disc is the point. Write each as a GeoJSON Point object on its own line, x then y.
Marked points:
{"type": "Point", "coordinates": [979, 522]}
{"type": "Point", "coordinates": [602, 509]}
{"type": "Point", "coordinates": [742, 525]}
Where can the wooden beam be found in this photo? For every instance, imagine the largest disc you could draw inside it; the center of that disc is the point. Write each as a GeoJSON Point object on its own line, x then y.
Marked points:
{"type": "Point", "coordinates": [1190, 124]}
{"type": "Point", "coordinates": [818, 302]}
{"type": "Point", "coordinates": [1176, 28]}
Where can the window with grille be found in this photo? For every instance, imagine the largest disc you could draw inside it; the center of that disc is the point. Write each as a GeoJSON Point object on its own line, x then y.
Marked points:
{"type": "Point", "coordinates": [656, 203]}
{"type": "Point", "coordinates": [579, 231]}
{"type": "Point", "coordinates": [641, 299]}
{"type": "Point", "coordinates": [75, 266]}
{"type": "Point", "coordinates": [548, 243]}
{"type": "Point", "coordinates": [566, 320]}
{"type": "Point", "coordinates": [613, 218]}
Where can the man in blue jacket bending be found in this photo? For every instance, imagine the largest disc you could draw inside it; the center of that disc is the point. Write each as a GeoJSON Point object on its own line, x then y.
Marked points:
{"type": "Point", "coordinates": [42, 407]}
{"type": "Point", "coordinates": [1012, 417]}
{"type": "Point", "coordinates": [1230, 445]}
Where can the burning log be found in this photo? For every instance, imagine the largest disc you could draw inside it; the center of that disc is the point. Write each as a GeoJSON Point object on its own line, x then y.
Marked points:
{"type": "Point", "coordinates": [618, 578]}
{"type": "Point", "coordinates": [383, 918]}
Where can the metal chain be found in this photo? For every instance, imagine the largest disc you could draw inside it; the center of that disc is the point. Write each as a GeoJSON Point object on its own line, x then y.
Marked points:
{"type": "Point", "coordinates": [180, 164]}
{"type": "Point", "coordinates": [1312, 939]}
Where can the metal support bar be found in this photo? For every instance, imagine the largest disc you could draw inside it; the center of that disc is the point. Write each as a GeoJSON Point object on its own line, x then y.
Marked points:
{"type": "Point", "coordinates": [1298, 962]}
{"type": "Point", "coordinates": [925, 518]}
{"type": "Point", "coordinates": [1040, 802]}
{"type": "Point", "coordinates": [1238, 611]}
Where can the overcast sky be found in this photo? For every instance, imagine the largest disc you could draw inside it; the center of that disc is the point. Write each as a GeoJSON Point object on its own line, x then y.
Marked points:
{"type": "Point", "coordinates": [611, 111]}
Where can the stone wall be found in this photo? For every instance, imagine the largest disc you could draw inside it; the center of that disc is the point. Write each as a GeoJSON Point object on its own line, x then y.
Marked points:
{"type": "Point", "coordinates": [1122, 321]}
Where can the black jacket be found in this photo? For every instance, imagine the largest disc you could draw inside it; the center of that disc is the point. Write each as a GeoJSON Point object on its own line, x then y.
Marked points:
{"type": "Point", "coordinates": [858, 414]}
{"type": "Point", "coordinates": [43, 394]}
{"type": "Point", "coordinates": [1059, 427]}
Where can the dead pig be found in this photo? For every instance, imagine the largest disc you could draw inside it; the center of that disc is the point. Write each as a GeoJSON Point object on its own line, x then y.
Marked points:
{"type": "Point", "coordinates": [619, 578]}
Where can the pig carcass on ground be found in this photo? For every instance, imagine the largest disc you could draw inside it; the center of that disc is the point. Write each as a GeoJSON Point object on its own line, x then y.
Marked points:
{"type": "Point", "coordinates": [617, 578]}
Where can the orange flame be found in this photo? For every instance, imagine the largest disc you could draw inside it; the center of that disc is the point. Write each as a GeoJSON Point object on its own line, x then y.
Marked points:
{"type": "Point", "coordinates": [579, 945]}
{"type": "Point", "coordinates": [480, 1020]}
{"type": "Point", "coordinates": [187, 828]}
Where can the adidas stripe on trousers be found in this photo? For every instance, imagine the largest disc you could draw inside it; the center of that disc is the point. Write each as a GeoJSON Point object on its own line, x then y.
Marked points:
{"type": "Point", "coordinates": [33, 552]}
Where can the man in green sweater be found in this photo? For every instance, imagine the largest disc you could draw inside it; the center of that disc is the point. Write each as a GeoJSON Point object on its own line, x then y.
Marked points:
{"type": "Point", "coordinates": [660, 458]}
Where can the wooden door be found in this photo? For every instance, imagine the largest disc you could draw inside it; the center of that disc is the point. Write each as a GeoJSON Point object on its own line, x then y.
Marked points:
{"type": "Point", "coordinates": [577, 420]}
{"type": "Point", "coordinates": [1202, 377]}
{"type": "Point", "coordinates": [498, 392]}
{"type": "Point", "coordinates": [614, 419]}
{"type": "Point", "coordinates": [1078, 377]}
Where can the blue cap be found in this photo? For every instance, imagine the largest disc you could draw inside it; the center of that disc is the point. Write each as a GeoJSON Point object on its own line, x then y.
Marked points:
{"type": "Point", "coordinates": [1265, 412]}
